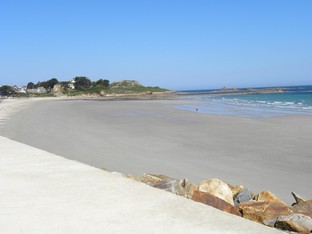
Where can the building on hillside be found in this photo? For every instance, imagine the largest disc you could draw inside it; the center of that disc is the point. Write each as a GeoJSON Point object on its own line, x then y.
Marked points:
{"type": "Point", "coordinates": [22, 89]}
{"type": "Point", "coordinates": [37, 90]}
{"type": "Point", "coordinates": [71, 84]}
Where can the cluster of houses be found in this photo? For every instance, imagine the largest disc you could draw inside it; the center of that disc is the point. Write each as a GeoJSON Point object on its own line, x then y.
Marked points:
{"type": "Point", "coordinates": [24, 89]}
{"type": "Point", "coordinates": [36, 90]}
{"type": "Point", "coordinates": [41, 89]}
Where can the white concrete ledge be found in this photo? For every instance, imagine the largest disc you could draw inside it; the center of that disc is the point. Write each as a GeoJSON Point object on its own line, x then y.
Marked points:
{"type": "Point", "coordinates": [44, 193]}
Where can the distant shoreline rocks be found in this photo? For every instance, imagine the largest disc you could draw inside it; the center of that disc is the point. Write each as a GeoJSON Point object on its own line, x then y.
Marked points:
{"type": "Point", "coordinates": [266, 91]}
{"type": "Point", "coordinates": [230, 91]}
{"type": "Point", "coordinates": [253, 91]}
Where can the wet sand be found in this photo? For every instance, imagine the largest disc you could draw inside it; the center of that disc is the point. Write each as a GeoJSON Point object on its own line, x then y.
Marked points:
{"type": "Point", "coordinates": [149, 136]}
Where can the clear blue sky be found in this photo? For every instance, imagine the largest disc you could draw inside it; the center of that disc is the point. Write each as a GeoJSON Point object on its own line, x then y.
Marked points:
{"type": "Point", "coordinates": [177, 44]}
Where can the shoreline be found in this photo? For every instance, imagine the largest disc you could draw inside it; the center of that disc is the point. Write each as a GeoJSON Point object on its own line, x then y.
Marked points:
{"type": "Point", "coordinates": [172, 135]}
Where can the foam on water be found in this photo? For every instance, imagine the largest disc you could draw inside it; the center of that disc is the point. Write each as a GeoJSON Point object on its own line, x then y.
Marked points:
{"type": "Point", "coordinates": [296, 101]}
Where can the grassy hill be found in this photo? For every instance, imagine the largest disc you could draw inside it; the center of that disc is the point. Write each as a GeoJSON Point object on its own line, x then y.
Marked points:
{"type": "Point", "coordinates": [132, 86]}
{"type": "Point", "coordinates": [120, 87]}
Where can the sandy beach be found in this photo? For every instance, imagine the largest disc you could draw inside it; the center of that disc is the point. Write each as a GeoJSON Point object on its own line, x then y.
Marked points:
{"type": "Point", "coordinates": [138, 136]}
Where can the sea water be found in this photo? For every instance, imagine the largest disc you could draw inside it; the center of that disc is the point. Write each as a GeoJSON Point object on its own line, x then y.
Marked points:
{"type": "Point", "coordinates": [293, 100]}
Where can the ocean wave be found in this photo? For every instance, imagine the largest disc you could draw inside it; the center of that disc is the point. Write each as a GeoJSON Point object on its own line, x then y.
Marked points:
{"type": "Point", "coordinates": [286, 107]}
{"type": "Point", "coordinates": [257, 105]}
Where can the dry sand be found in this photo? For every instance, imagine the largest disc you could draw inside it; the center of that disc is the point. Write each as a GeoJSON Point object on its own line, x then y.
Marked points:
{"type": "Point", "coordinates": [149, 136]}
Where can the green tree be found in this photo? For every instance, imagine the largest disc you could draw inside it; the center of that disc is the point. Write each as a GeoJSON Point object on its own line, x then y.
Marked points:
{"type": "Point", "coordinates": [102, 83]}
{"type": "Point", "coordinates": [82, 83]}
{"type": "Point", "coordinates": [51, 83]}
{"type": "Point", "coordinates": [6, 90]}
{"type": "Point", "coordinates": [30, 85]}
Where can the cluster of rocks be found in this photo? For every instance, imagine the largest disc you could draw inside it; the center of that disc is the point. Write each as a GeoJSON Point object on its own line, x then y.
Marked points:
{"type": "Point", "coordinates": [126, 84]}
{"type": "Point", "coordinates": [264, 208]}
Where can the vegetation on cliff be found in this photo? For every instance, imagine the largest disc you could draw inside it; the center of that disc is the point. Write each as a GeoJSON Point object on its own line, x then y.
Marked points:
{"type": "Point", "coordinates": [80, 85]}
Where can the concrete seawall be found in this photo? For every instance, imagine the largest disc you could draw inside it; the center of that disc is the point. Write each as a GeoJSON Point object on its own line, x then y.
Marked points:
{"type": "Point", "coordinates": [45, 193]}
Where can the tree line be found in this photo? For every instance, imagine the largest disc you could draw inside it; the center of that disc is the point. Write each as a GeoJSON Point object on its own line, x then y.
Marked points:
{"type": "Point", "coordinates": [80, 83]}
{"type": "Point", "coordinates": [83, 83]}
{"type": "Point", "coordinates": [49, 84]}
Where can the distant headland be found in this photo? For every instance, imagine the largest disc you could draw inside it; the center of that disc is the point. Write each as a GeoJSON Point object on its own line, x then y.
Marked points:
{"type": "Point", "coordinates": [81, 86]}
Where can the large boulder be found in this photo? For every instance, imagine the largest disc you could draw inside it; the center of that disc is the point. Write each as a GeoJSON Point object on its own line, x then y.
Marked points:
{"type": "Point", "coordinates": [295, 222]}
{"type": "Point", "coordinates": [215, 202]}
{"type": "Point", "coordinates": [236, 190]}
{"type": "Point", "coordinates": [171, 186]}
{"type": "Point", "coordinates": [267, 196]}
{"type": "Point", "coordinates": [217, 188]}
{"type": "Point", "coordinates": [188, 188]}
{"type": "Point", "coordinates": [154, 179]}
{"type": "Point", "coordinates": [305, 206]}
{"type": "Point", "coordinates": [102, 93]}
{"type": "Point", "coordinates": [243, 196]}
{"type": "Point", "coordinates": [298, 198]}
{"type": "Point", "coordinates": [183, 187]}
{"type": "Point", "coordinates": [301, 205]}
{"type": "Point", "coordinates": [260, 211]}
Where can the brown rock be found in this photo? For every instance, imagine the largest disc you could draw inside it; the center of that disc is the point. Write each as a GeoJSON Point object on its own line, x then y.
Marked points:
{"type": "Point", "coordinates": [188, 187]}
{"type": "Point", "coordinates": [217, 188]}
{"type": "Point", "coordinates": [133, 177]}
{"type": "Point", "coordinates": [267, 196]}
{"type": "Point", "coordinates": [215, 202]}
{"type": "Point", "coordinates": [183, 187]}
{"type": "Point", "coordinates": [102, 93]}
{"type": "Point", "coordinates": [302, 206]}
{"type": "Point", "coordinates": [171, 186]}
{"type": "Point", "coordinates": [260, 211]}
{"type": "Point", "coordinates": [151, 178]}
{"type": "Point", "coordinates": [295, 222]}
{"type": "Point", "coordinates": [297, 197]}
